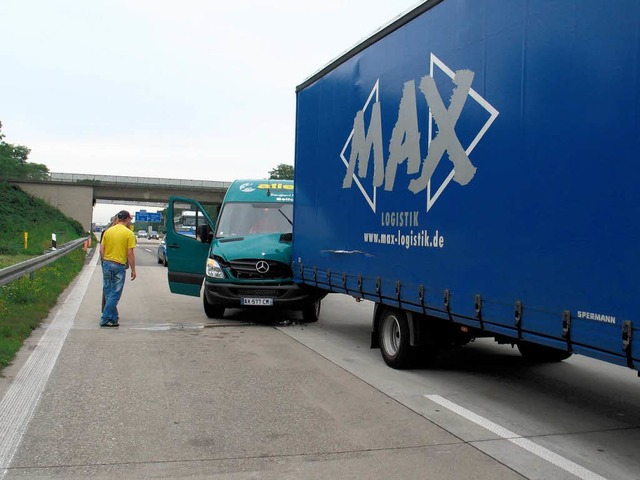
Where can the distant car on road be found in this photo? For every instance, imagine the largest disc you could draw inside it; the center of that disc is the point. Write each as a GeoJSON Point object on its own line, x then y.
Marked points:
{"type": "Point", "coordinates": [154, 235]}
{"type": "Point", "coordinates": [162, 253]}
{"type": "Point", "coordinates": [142, 234]}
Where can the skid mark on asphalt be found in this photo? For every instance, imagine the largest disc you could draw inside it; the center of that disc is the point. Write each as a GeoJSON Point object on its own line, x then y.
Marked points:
{"type": "Point", "coordinates": [182, 326]}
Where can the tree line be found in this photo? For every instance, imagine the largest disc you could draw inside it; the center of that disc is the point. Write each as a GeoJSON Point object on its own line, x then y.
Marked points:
{"type": "Point", "coordinates": [14, 162]}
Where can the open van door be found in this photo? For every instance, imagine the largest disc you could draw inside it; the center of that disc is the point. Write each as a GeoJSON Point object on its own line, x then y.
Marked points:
{"type": "Point", "coordinates": [189, 232]}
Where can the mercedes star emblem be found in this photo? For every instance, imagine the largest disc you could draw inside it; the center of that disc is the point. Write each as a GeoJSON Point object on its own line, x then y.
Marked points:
{"type": "Point", "coordinates": [262, 266]}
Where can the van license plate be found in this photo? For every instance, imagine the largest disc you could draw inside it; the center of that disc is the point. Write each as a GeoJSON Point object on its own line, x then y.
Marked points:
{"type": "Point", "coordinates": [263, 302]}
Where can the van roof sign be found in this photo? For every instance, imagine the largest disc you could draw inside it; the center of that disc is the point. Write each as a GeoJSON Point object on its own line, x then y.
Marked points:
{"type": "Point", "coordinates": [260, 191]}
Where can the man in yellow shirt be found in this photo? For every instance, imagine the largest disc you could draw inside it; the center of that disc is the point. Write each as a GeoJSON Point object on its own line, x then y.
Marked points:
{"type": "Point", "coordinates": [116, 249]}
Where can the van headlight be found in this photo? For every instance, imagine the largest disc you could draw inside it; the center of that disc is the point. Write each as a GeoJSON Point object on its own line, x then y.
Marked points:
{"type": "Point", "coordinates": [213, 269]}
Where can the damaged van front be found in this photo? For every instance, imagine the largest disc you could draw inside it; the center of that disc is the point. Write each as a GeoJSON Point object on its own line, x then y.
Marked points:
{"type": "Point", "coordinates": [248, 260]}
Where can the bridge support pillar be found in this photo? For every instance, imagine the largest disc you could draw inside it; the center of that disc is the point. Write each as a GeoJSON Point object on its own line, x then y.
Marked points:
{"type": "Point", "coordinates": [76, 202]}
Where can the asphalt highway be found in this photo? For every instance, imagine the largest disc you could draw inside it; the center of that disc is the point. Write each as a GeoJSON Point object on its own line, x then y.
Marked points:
{"type": "Point", "coordinates": [172, 394]}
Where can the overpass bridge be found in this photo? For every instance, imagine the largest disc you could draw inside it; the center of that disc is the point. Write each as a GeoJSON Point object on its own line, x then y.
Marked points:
{"type": "Point", "coordinates": [75, 194]}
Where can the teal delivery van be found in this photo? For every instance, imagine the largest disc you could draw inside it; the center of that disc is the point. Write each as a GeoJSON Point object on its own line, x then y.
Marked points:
{"type": "Point", "coordinates": [244, 259]}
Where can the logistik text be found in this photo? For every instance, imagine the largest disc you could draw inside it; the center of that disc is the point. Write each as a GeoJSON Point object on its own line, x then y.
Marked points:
{"type": "Point", "coordinates": [399, 219]}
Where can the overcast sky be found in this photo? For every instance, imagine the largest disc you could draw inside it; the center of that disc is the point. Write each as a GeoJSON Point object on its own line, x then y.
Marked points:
{"type": "Point", "coordinates": [196, 89]}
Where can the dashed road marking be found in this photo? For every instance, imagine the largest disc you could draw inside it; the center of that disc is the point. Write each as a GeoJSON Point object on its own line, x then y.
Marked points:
{"type": "Point", "coordinates": [532, 447]}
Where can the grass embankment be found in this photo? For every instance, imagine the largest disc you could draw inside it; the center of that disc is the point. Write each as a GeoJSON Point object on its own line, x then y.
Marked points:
{"type": "Point", "coordinates": [24, 303]}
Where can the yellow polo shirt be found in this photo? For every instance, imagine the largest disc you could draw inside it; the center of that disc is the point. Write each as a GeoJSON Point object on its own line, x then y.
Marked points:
{"type": "Point", "coordinates": [117, 240]}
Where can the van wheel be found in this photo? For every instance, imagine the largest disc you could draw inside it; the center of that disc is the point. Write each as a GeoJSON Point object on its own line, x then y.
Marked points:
{"type": "Point", "coordinates": [211, 310]}
{"type": "Point", "coordinates": [393, 338]}
{"type": "Point", "coordinates": [541, 353]}
{"type": "Point", "coordinates": [311, 313]}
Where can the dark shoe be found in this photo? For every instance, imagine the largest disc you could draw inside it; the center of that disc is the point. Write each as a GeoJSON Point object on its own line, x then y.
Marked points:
{"type": "Point", "coordinates": [114, 325]}
{"type": "Point", "coordinates": [109, 324]}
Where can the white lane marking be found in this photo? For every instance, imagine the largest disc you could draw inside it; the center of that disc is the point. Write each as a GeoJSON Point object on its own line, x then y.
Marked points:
{"type": "Point", "coordinates": [538, 450]}
{"type": "Point", "coordinates": [19, 403]}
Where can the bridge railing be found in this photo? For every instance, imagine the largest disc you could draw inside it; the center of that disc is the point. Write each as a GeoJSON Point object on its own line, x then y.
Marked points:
{"type": "Point", "coordinates": [124, 180]}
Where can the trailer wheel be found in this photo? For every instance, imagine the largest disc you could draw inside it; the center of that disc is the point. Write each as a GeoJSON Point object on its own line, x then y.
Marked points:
{"type": "Point", "coordinates": [211, 310]}
{"type": "Point", "coordinates": [311, 313]}
{"type": "Point", "coordinates": [541, 353]}
{"type": "Point", "coordinates": [393, 338]}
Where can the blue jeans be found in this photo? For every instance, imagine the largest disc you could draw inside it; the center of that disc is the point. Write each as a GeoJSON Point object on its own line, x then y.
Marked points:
{"type": "Point", "coordinates": [113, 275]}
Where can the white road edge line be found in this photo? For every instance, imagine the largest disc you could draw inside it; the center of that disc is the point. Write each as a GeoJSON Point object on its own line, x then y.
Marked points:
{"type": "Point", "coordinates": [19, 403]}
{"type": "Point", "coordinates": [532, 447]}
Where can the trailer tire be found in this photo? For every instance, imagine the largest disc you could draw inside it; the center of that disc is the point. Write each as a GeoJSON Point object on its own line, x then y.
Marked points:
{"type": "Point", "coordinates": [394, 341]}
{"type": "Point", "coordinates": [311, 313]}
{"type": "Point", "coordinates": [211, 310]}
{"type": "Point", "coordinates": [541, 354]}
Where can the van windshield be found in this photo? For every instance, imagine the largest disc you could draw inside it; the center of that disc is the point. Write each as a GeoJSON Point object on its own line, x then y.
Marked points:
{"type": "Point", "coordinates": [242, 219]}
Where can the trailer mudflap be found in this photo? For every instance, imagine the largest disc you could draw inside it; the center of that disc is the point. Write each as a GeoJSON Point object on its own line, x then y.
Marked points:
{"type": "Point", "coordinates": [566, 329]}
{"type": "Point", "coordinates": [478, 308]}
{"type": "Point", "coordinates": [627, 333]}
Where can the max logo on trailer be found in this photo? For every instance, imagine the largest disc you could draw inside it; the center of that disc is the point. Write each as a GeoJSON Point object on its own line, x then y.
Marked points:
{"type": "Point", "coordinates": [405, 138]}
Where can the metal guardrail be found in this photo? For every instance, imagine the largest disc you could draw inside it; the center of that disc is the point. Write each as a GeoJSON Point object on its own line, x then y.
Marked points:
{"type": "Point", "coordinates": [14, 272]}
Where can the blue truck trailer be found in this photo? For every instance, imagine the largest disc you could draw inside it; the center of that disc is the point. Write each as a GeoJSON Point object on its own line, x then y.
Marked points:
{"type": "Point", "coordinates": [472, 169]}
